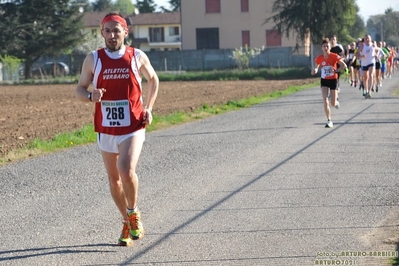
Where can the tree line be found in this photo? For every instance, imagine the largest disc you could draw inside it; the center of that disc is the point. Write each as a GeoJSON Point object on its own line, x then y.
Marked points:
{"type": "Point", "coordinates": [32, 29]}
{"type": "Point", "coordinates": [317, 19]}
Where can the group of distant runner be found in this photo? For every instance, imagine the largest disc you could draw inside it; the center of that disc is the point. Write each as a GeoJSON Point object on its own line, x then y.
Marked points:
{"type": "Point", "coordinates": [366, 62]}
{"type": "Point", "coordinates": [369, 63]}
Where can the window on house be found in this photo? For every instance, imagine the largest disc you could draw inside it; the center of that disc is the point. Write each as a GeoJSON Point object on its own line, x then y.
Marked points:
{"type": "Point", "coordinates": [273, 38]}
{"type": "Point", "coordinates": [173, 31]}
{"type": "Point", "coordinates": [207, 38]}
{"type": "Point", "coordinates": [212, 6]}
{"type": "Point", "coordinates": [156, 34]}
{"type": "Point", "coordinates": [244, 6]}
{"type": "Point", "coordinates": [245, 38]}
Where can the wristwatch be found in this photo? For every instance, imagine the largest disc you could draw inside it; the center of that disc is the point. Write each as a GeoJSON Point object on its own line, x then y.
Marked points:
{"type": "Point", "coordinates": [89, 96]}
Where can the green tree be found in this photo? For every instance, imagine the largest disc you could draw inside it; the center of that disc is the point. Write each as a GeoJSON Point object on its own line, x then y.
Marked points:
{"type": "Point", "coordinates": [175, 4]}
{"type": "Point", "coordinates": [125, 7]}
{"type": "Point", "coordinates": [353, 28]}
{"type": "Point", "coordinates": [386, 25]}
{"type": "Point", "coordinates": [358, 29]}
{"type": "Point", "coordinates": [102, 5]}
{"type": "Point", "coordinates": [91, 42]}
{"type": "Point", "coordinates": [312, 17]}
{"type": "Point", "coordinates": [146, 6]}
{"type": "Point", "coordinates": [84, 5]}
{"type": "Point", "coordinates": [35, 28]}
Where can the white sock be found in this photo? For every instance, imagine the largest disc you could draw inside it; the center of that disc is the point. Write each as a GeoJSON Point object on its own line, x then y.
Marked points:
{"type": "Point", "coordinates": [130, 210]}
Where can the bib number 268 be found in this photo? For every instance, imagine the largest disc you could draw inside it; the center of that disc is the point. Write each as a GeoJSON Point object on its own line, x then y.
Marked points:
{"type": "Point", "coordinates": [115, 113]}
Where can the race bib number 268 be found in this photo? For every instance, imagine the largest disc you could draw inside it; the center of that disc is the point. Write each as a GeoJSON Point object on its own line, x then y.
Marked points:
{"type": "Point", "coordinates": [115, 113]}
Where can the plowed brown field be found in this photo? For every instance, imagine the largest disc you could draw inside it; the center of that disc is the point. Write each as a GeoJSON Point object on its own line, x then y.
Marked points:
{"type": "Point", "coordinates": [41, 111]}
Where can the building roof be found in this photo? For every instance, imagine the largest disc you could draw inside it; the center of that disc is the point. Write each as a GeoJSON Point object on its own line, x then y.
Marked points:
{"type": "Point", "coordinates": [93, 19]}
{"type": "Point", "coordinates": [154, 18]}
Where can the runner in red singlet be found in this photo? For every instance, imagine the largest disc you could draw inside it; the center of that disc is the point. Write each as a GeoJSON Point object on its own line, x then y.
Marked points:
{"type": "Point", "coordinates": [120, 116]}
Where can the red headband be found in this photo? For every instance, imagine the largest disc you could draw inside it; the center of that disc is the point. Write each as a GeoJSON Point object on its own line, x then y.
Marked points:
{"type": "Point", "coordinates": [115, 18]}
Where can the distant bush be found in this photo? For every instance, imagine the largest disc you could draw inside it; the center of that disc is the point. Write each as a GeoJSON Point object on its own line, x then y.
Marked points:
{"type": "Point", "coordinates": [11, 65]}
{"type": "Point", "coordinates": [243, 55]}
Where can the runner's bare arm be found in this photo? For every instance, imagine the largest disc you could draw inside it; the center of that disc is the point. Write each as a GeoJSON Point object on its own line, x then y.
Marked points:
{"type": "Point", "coordinates": [316, 68]}
{"type": "Point", "coordinates": [353, 59]}
{"type": "Point", "coordinates": [152, 79]}
{"type": "Point", "coordinates": [86, 75]}
{"type": "Point", "coordinates": [85, 79]}
{"type": "Point", "coordinates": [342, 65]}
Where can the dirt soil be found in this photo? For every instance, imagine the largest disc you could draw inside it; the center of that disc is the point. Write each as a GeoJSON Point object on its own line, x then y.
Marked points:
{"type": "Point", "coordinates": [41, 111]}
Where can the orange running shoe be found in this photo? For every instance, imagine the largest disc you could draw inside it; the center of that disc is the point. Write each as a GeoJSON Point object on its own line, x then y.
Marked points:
{"type": "Point", "coordinates": [125, 239]}
{"type": "Point", "coordinates": [136, 226]}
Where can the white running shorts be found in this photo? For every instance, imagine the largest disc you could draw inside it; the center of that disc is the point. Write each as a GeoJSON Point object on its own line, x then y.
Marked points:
{"type": "Point", "coordinates": [110, 143]}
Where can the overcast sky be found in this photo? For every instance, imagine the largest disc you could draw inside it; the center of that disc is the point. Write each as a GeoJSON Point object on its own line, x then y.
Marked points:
{"type": "Point", "coordinates": [164, 3]}
{"type": "Point", "coordinates": [374, 7]}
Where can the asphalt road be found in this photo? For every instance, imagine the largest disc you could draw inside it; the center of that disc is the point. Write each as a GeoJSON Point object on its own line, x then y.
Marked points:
{"type": "Point", "coordinates": [266, 185]}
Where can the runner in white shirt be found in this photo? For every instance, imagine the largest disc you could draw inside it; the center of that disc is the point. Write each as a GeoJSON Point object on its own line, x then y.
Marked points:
{"type": "Point", "coordinates": [368, 54]}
